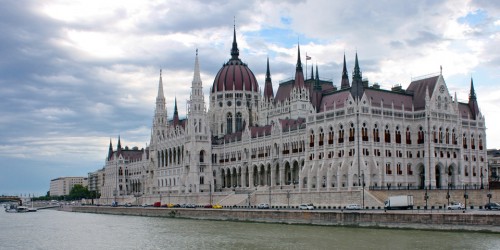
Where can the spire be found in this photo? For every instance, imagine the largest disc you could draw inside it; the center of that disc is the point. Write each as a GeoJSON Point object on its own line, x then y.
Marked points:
{"type": "Point", "coordinates": [268, 87]}
{"type": "Point", "coordinates": [299, 62]}
{"type": "Point", "coordinates": [299, 74]}
{"type": "Point", "coordinates": [312, 71]}
{"type": "Point", "coordinates": [357, 72]}
{"type": "Point", "coordinates": [317, 85]}
{"type": "Point", "coordinates": [235, 52]}
{"type": "Point", "coordinates": [196, 76]}
{"type": "Point", "coordinates": [176, 113]}
{"type": "Point", "coordinates": [357, 88]}
{"type": "Point", "coordinates": [119, 146]}
{"type": "Point", "coordinates": [160, 88]}
{"type": "Point", "coordinates": [472, 94]}
{"type": "Point", "coordinates": [474, 108]}
{"type": "Point", "coordinates": [110, 151]}
{"type": "Point", "coordinates": [345, 77]}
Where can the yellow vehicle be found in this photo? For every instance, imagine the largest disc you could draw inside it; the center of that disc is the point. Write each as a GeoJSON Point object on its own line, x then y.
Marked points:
{"type": "Point", "coordinates": [217, 206]}
{"type": "Point", "coordinates": [170, 205]}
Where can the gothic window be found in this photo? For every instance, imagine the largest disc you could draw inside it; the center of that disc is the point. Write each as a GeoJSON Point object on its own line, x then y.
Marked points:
{"type": "Point", "coordinates": [330, 136]}
{"type": "Point", "coordinates": [388, 169]}
{"type": "Point", "coordinates": [202, 156]}
{"type": "Point", "coordinates": [399, 169]}
{"type": "Point", "coordinates": [398, 135]}
{"type": "Point", "coordinates": [440, 135]}
{"type": "Point", "coordinates": [472, 142]}
{"type": "Point", "coordinates": [387, 134]}
{"type": "Point", "coordinates": [408, 135]}
{"type": "Point", "coordinates": [239, 124]}
{"type": "Point", "coordinates": [352, 131]}
{"type": "Point", "coordinates": [341, 134]}
{"type": "Point", "coordinates": [376, 137]}
{"type": "Point", "coordinates": [229, 122]}
{"type": "Point", "coordinates": [454, 137]}
{"type": "Point", "coordinates": [464, 140]}
{"type": "Point", "coordinates": [364, 132]}
{"type": "Point", "coordinates": [421, 136]}
{"type": "Point", "coordinates": [321, 137]}
{"type": "Point", "coordinates": [447, 136]}
{"type": "Point", "coordinates": [311, 139]}
{"type": "Point", "coordinates": [480, 143]}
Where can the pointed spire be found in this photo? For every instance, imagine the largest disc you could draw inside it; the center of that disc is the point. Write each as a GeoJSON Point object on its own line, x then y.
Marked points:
{"type": "Point", "coordinates": [299, 62]}
{"type": "Point", "coordinates": [317, 84]}
{"type": "Point", "coordinates": [196, 76]}
{"type": "Point", "coordinates": [268, 87]}
{"type": "Point", "coordinates": [160, 88]}
{"type": "Point", "coordinates": [357, 88]}
{"type": "Point", "coordinates": [176, 113]}
{"type": "Point", "coordinates": [235, 52]}
{"type": "Point", "coordinates": [472, 94]}
{"type": "Point", "coordinates": [312, 71]}
{"type": "Point", "coordinates": [268, 72]}
{"type": "Point", "coordinates": [474, 108]}
{"type": "Point", "coordinates": [299, 74]}
{"type": "Point", "coordinates": [345, 77]}
{"type": "Point", "coordinates": [119, 146]}
{"type": "Point", "coordinates": [110, 151]}
{"type": "Point", "coordinates": [357, 71]}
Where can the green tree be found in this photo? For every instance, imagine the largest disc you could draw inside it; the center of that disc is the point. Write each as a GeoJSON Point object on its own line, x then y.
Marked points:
{"type": "Point", "coordinates": [79, 192]}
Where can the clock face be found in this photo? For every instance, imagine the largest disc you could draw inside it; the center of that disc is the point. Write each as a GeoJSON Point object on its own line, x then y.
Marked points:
{"type": "Point", "coordinates": [441, 89]}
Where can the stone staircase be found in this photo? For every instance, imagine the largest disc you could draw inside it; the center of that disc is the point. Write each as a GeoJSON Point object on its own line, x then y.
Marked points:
{"type": "Point", "coordinates": [234, 199]}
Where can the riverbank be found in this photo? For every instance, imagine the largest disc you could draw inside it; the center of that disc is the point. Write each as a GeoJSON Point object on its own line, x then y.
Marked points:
{"type": "Point", "coordinates": [488, 222]}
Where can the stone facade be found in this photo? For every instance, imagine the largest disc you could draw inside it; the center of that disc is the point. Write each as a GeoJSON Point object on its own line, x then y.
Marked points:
{"type": "Point", "coordinates": [309, 137]}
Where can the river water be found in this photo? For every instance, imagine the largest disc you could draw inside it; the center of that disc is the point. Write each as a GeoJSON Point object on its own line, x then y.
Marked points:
{"type": "Point", "coordinates": [50, 229]}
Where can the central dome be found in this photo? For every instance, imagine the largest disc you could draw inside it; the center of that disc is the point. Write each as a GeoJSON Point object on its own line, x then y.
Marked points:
{"type": "Point", "coordinates": [235, 75]}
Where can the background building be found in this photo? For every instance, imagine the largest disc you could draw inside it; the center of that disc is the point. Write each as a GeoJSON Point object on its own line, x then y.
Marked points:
{"type": "Point", "coordinates": [63, 185]}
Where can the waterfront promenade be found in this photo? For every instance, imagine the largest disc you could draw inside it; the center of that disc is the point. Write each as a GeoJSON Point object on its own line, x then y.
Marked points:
{"type": "Point", "coordinates": [471, 220]}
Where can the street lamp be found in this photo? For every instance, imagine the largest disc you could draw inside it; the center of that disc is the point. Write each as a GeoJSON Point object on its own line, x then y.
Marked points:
{"type": "Point", "coordinates": [426, 198]}
{"type": "Point", "coordinates": [210, 191]}
{"type": "Point", "coordinates": [466, 196]}
{"type": "Point", "coordinates": [448, 194]}
{"type": "Point", "coordinates": [269, 196]}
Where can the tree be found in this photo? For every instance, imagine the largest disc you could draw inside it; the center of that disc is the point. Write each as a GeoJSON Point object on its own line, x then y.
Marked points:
{"type": "Point", "coordinates": [79, 192]}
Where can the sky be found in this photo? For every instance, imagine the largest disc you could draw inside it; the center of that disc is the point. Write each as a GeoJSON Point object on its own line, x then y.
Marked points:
{"type": "Point", "coordinates": [76, 74]}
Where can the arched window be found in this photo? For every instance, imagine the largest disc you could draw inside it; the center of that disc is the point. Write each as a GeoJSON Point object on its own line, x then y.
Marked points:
{"type": "Point", "coordinates": [421, 135]}
{"type": "Point", "coordinates": [408, 135]}
{"type": "Point", "coordinates": [398, 135]}
{"type": "Point", "coordinates": [330, 136]}
{"type": "Point", "coordinates": [239, 123]}
{"type": "Point", "coordinates": [321, 137]}
{"type": "Point", "coordinates": [352, 131]}
{"type": "Point", "coordinates": [387, 134]}
{"type": "Point", "coordinates": [364, 132]}
{"type": "Point", "coordinates": [341, 134]}
{"type": "Point", "coordinates": [311, 139]}
{"type": "Point", "coordinates": [376, 137]}
{"type": "Point", "coordinates": [202, 156]}
{"type": "Point", "coordinates": [229, 121]}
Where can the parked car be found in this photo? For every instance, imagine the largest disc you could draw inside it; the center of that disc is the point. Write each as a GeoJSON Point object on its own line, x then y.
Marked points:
{"type": "Point", "coordinates": [128, 204]}
{"type": "Point", "coordinates": [114, 204]}
{"type": "Point", "coordinates": [353, 207]}
{"type": "Point", "coordinates": [217, 206]}
{"type": "Point", "coordinates": [306, 207]}
{"type": "Point", "coordinates": [145, 205]}
{"type": "Point", "coordinates": [208, 206]}
{"type": "Point", "coordinates": [492, 206]}
{"type": "Point", "coordinates": [190, 206]}
{"type": "Point", "coordinates": [157, 204]}
{"type": "Point", "coordinates": [455, 206]}
{"type": "Point", "coordinates": [263, 206]}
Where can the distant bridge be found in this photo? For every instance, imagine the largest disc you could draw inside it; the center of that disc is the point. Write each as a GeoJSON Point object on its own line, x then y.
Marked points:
{"type": "Point", "coordinates": [11, 199]}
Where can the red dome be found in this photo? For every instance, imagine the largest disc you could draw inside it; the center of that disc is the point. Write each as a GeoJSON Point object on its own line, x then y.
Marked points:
{"type": "Point", "coordinates": [235, 75]}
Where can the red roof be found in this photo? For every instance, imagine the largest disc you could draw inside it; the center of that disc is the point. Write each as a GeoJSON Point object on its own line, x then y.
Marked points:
{"type": "Point", "coordinates": [418, 88]}
{"type": "Point", "coordinates": [235, 75]}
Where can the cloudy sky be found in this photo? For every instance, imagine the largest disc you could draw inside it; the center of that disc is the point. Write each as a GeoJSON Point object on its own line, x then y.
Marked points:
{"type": "Point", "coordinates": [74, 74]}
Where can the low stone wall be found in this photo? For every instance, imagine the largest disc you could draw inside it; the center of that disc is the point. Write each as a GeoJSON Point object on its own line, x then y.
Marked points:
{"type": "Point", "coordinates": [399, 219]}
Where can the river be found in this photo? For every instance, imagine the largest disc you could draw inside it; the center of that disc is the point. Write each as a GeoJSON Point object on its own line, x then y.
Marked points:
{"type": "Point", "coordinates": [50, 229]}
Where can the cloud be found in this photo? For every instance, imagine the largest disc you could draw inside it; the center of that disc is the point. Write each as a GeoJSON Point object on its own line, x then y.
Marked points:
{"type": "Point", "coordinates": [75, 73]}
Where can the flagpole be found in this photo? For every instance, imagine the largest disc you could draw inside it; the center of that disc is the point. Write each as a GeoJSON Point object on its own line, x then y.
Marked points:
{"type": "Point", "coordinates": [306, 67]}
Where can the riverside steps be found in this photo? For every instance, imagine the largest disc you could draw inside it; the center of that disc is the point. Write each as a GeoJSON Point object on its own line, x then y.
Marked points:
{"type": "Point", "coordinates": [475, 220]}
